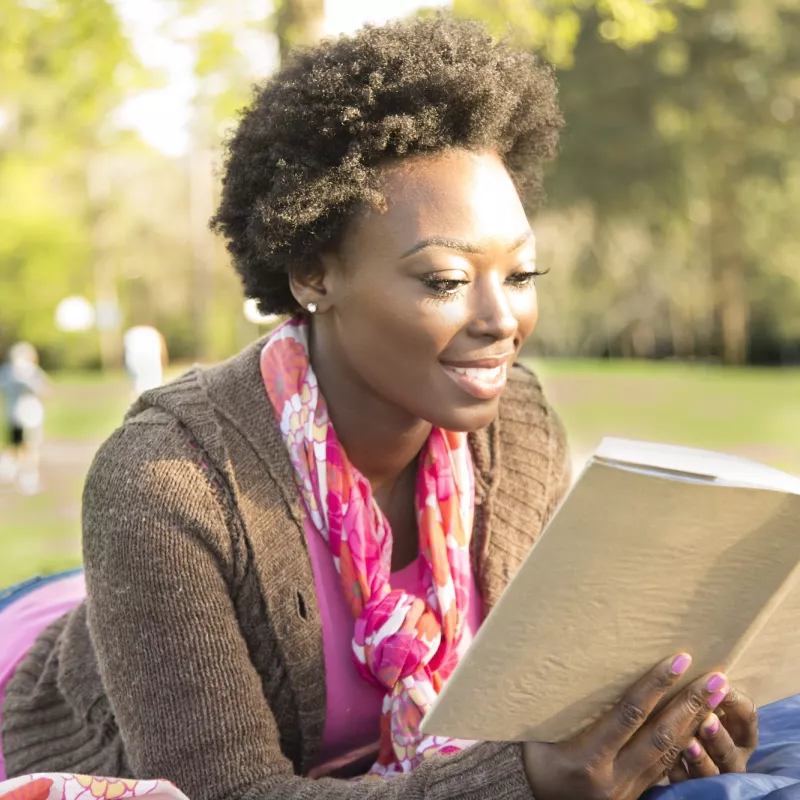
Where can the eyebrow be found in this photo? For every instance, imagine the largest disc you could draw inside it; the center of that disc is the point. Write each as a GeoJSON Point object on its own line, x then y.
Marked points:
{"type": "Point", "coordinates": [461, 246]}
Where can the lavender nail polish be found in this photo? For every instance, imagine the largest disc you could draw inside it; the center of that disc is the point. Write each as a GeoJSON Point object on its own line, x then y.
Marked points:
{"type": "Point", "coordinates": [710, 730]}
{"type": "Point", "coordinates": [681, 664]}
{"type": "Point", "coordinates": [717, 698]}
{"type": "Point", "coordinates": [694, 749]}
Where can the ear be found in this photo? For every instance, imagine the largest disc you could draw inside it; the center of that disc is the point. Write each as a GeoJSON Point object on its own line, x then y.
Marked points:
{"type": "Point", "coordinates": [316, 284]}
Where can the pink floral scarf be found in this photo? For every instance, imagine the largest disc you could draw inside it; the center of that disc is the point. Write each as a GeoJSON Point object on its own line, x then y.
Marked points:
{"type": "Point", "coordinates": [404, 644]}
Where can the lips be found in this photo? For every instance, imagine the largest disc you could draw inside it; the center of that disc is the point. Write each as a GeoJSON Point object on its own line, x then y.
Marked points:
{"type": "Point", "coordinates": [484, 378]}
{"type": "Point", "coordinates": [487, 362]}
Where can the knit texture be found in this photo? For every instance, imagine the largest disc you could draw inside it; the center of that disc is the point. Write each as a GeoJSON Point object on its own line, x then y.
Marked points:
{"type": "Point", "coordinates": [198, 656]}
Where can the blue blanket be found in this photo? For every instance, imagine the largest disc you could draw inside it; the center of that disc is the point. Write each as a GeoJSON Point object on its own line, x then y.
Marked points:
{"type": "Point", "coordinates": [774, 769]}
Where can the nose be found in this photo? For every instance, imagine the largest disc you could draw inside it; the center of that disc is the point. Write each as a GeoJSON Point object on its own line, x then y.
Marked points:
{"type": "Point", "coordinates": [494, 313]}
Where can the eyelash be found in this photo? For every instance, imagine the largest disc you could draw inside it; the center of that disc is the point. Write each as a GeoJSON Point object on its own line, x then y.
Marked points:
{"type": "Point", "coordinates": [446, 289]}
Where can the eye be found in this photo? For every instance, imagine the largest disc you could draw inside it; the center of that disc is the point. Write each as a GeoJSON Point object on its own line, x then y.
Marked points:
{"type": "Point", "coordinates": [525, 278]}
{"type": "Point", "coordinates": [444, 287]}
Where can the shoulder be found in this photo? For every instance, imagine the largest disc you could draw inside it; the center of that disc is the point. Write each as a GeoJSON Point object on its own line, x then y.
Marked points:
{"type": "Point", "coordinates": [532, 439]}
{"type": "Point", "coordinates": [525, 412]}
{"type": "Point", "coordinates": [155, 468]}
{"type": "Point", "coordinates": [150, 466]}
{"type": "Point", "coordinates": [150, 443]}
{"type": "Point", "coordinates": [152, 504]}
{"type": "Point", "coordinates": [523, 471]}
{"type": "Point", "coordinates": [196, 445]}
{"type": "Point", "coordinates": [191, 418]}
{"type": "Point", "coordinates": [522, 390]}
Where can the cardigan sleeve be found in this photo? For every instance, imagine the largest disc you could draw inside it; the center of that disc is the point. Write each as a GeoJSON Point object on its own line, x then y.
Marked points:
{"type": "Point", "coordinates": [185, 695]}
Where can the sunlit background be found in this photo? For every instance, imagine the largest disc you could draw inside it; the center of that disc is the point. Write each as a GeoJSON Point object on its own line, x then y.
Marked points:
{"type": "Point", "coordinates": [672, 308]}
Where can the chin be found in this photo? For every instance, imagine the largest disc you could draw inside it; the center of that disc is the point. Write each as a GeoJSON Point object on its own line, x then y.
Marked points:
{"type": "Point", "coordinates": [467, 419]}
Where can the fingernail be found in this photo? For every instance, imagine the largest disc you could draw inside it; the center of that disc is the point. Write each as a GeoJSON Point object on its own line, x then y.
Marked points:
{"type": "Point", "coordinates": [716, 682]}
{"type": "Point", "coordinates": [710, 726]}
{"type": "Point", "coordinates": [681, 664]}
{"type": "Point", "coordinates": [717, 698]}
{"type": "Point", "coordinates": [694, 749]}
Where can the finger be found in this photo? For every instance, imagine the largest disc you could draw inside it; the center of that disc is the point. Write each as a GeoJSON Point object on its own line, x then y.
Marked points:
{"type": "Point", "coordinates": [661, 741]}
{"type": "Point", "coordinates": [678, 773]}
{"type": "Point", "coordinates": [698, 762]}
{"type": "Point", "coordinates": [616, 728]}
{"type": "Point", "coordinates": [721, 748]}
{"type": "Point", "coordinates": [739, 716]}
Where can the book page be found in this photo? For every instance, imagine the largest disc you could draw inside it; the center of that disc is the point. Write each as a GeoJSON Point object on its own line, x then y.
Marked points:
{"type": "Point", "coordinates": [776, 642]}
{"type": "Point", "coordinates": [695, 463]}
{"type": "Point", "coordinates": [632, 569]}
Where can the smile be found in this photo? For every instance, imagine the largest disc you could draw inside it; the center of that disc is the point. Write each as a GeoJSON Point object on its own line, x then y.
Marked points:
{"type": "Point", "coordinates": [485, 383]}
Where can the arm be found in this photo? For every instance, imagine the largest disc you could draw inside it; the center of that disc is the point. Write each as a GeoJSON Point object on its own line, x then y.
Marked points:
{"type": "Point", "coordinates": [186, 698]}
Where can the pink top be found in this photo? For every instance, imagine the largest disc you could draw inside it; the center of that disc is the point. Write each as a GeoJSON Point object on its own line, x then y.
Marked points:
{"type": "Point", "coordinates": [353, 707]}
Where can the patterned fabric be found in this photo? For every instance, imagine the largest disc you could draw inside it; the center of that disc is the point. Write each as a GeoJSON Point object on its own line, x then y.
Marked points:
{"type": "Point", "coordinates": [60, 786]}
{"type": "Point", "coordinates": [402, 643]}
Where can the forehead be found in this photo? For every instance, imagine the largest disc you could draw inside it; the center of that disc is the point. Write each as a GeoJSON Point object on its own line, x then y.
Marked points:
{"type": "Point", "coordinates": [458, 194]}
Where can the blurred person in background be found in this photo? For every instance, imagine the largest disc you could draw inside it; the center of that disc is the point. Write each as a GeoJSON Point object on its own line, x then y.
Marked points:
{"type": "Point", "coordinates": [287, 554]}
{"type": "Point", "coordinates": [23, 383]}
{"type": "Point", "coordinates": [145, 351]}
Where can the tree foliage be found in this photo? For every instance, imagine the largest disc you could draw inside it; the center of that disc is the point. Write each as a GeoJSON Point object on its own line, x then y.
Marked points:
{"type": "Point", "coordinates": [689, 145]}
{"type": "Point", "coordinates": [553, 26]}
{"type": "Point", "coordinates": [671, 226]}
{"type": "Point", "coordinates": [65, 65]}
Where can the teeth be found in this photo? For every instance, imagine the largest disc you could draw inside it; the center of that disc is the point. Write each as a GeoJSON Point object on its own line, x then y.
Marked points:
{"type": "Point", "coordinates": [481, 373]}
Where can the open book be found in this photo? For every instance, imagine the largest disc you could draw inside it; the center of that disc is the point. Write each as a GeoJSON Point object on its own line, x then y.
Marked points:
{"type": "Point", "coordinates": [655, 550]}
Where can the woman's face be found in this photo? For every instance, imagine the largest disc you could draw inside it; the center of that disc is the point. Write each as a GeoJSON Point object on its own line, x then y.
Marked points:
{"type": "Point", "coordinates": [426, 304]}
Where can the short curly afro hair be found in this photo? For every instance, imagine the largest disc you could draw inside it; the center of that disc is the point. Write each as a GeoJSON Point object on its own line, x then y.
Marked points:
{"type": "Point", "coordinates": [308, 150]}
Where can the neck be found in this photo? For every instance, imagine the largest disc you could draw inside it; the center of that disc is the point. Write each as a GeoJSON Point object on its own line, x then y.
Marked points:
{"type": "Point", "coordinates": [381, 440]}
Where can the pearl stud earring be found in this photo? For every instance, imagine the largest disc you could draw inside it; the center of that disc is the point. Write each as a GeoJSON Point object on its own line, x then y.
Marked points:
{"type": "Point", "coordinates": [311, 308]}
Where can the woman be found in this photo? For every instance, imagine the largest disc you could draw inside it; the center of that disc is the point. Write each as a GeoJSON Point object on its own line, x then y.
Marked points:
{"type": "Point", "coordinates": [286, 554]}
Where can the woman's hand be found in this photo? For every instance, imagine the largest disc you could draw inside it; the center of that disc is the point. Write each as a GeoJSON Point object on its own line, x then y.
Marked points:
{"type": "Point", "coordinates": [627, 751]}
{"type": "Point", "coordinates": [724, 742]}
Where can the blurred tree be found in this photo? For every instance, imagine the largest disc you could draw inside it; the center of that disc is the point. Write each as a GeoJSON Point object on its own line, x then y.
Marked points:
{"type": "Point", "coordinates": [297, 22]}
{"type": "Point", "coordinates": [671, 224]}
{"type": "Point", "coordinates": [224, 78]}
{"type": "Point", "coordinates": [65, 66]}
{"type": "Point", "coordinates": [553, 26]}
{"type": "Point", "coordinates": [692, 141]}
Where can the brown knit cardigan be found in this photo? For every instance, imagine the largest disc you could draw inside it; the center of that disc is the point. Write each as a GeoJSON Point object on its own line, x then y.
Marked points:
{"type": "Point", "coordinates": [198, 655]}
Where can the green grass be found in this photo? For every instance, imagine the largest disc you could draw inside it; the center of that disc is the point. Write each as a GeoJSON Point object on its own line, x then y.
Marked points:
{"type": "Point", "coordinates": [41, 534]}
{"type": "Point", "coordinates": [751, 412]}
{"type": "Point", "coordinates": [87, 405]}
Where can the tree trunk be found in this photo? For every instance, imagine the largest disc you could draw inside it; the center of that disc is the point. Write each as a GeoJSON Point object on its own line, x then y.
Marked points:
{"type": "Point", "coordinates": [681, 330]}
{"type": "Point", "coordinates": [732, 311]}
{"type": "Point", "coordinates": [106, 301]}
{"type": "Point", "coordinates": [297, 23]}
{"type": "Point", "coordinates": [201, 208]}
{"type": "Point", "coordinates": [643, 339]}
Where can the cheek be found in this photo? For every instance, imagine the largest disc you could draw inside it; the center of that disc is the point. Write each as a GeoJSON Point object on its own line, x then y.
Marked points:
{"type": "Point", "coordinates": [394, 334]}
{"type": "Point", "coordinates": [525, 307]}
